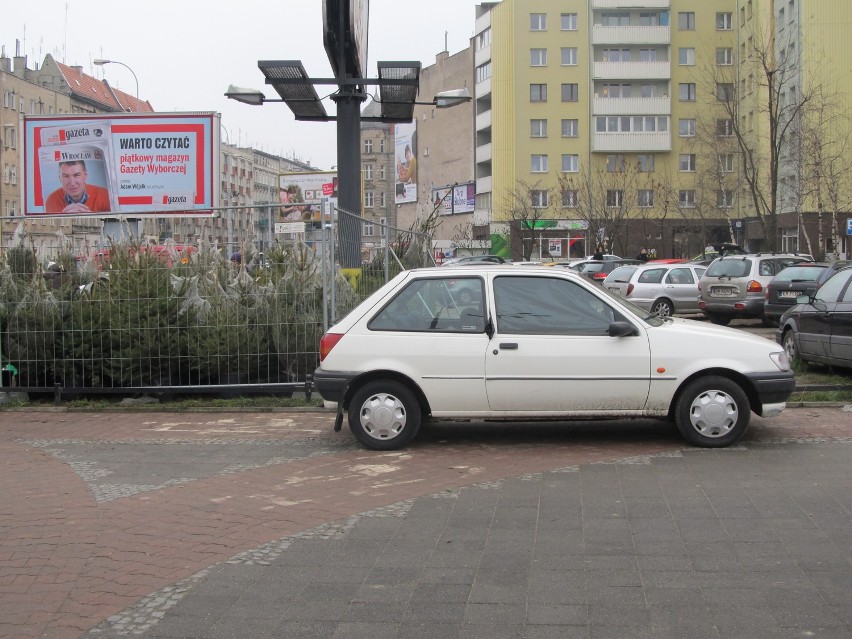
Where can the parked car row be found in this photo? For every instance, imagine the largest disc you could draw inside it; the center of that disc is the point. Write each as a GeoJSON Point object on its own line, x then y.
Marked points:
{"type": "Point", "coordinates": [663, 289]}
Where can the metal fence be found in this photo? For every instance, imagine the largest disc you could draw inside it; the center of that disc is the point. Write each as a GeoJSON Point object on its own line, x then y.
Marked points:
{"type": "Point", "coordinates": [130, 316]}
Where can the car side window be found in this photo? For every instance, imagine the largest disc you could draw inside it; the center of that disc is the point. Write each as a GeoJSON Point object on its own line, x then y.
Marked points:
{"type": "Point", "coordinates": [830, 291]}
{"type": "Point", "coordinates": [767, 267]}
{"type": "Point", "coordinates": [549, 306]}
{"type": "Point", "coordinates": [680, 276]}
{"type": "Point", "coordinates": [451, 304]}
{"type": "Point", "coordinates": [651, 276]}
{"type": "Point", "coordinates": [847, 296]}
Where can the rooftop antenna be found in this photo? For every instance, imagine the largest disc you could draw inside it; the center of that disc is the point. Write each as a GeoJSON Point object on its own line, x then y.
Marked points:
{"type": "Point", "coordinates": [446, 46]}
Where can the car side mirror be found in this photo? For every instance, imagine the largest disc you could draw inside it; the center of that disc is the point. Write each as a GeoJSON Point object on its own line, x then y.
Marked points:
{"type": "Point", "coordinates": [621, 329]}
{"type": "Point", "coordinates": [819, 305]}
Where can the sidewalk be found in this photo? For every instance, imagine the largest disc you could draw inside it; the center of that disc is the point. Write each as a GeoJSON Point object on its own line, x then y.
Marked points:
{"type": "Point", "coordinates": [270, 524]}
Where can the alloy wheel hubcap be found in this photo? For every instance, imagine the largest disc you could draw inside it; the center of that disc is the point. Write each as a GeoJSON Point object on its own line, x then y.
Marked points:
{"type": "Point", "coordinates": [383, 416]}
{"type": "Point", "coordinates": [713, 413]}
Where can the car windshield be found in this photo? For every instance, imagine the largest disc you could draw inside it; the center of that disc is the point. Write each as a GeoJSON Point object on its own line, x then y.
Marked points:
{"type": "Point", "coordinates": [592, 267]}
{"type": "Point", "coordinates": [800, 274]}
{"type": "Point", "coordinates": [729, 268]}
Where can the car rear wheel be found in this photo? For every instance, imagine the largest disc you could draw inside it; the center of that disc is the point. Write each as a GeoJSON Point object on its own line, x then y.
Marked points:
{"type": "Point", "coordinates": [384, 415]}
{"type": "Point", "coordinates": [790, 348]}
{"type": "Point", "coordinates": [663, 308]}
{"type": "Point", "coordinates": [712, 412]}
{"type": "Point", "coordinates": [721, 320]}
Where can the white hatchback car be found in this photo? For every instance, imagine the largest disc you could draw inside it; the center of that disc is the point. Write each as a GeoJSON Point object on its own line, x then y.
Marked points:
{"type": "Point", "coordinates": [538, 343]}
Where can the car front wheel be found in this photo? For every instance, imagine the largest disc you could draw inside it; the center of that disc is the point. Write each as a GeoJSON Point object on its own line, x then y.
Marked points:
{"type": "Point", "coordinates": [790, 348]}
{"type": "Point", "coordinates": [384, 415]}
{"type": "Point", "coordinates": [712, 412]}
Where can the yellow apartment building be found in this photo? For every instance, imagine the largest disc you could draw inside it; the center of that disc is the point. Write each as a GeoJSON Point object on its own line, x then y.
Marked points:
{"type": "Point", "coordinates": [626, 122]}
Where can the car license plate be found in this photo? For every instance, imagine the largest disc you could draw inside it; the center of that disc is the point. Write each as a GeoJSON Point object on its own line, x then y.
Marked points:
{"type": "Point", "coordinates": [615, 290]}
{"type": "Point", "coordinates": [789, 294]}
{"type": "Point", "coordinates": [723, 290]}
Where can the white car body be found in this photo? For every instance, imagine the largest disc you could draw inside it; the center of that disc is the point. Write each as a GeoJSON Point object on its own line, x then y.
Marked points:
{"type": "Point", "coordinates": [466, 373]}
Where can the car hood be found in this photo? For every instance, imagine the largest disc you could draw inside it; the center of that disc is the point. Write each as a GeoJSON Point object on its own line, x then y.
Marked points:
{"type": "Point", "coordinates": [696, 327]}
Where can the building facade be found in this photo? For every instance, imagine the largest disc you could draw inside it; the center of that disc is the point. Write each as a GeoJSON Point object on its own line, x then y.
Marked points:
{"type": "Point", "coordinates": [628, 124]}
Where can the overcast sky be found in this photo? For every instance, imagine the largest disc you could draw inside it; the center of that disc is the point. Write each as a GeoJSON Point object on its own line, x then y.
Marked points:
{"type": "Point", "coordinates": [185, 53]}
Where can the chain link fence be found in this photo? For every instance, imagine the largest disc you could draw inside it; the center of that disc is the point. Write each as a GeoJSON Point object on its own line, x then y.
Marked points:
{"type": "Point", "coordinates": [131, 316]}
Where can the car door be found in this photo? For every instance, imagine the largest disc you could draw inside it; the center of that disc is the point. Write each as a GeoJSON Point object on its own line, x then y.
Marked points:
{"type": "Point", "coordinates": [815, 321]}
{"type": "Point", "coordinates": [840, 345]}
{"type": "Point", "coordinates": [551, 351]}
{"type": "Point", "coordinates": [681, 287]}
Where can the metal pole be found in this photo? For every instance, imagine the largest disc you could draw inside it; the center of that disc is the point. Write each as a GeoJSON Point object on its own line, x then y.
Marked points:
{"type": "Point", "coordinates": [349, 175]}
{"type": "Point", "coordinates": [333, 266]}
{"type": "Point", "coordinates": [324, 279]}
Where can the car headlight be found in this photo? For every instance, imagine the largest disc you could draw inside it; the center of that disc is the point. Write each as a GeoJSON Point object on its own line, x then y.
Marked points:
{"type": "Point", "coordinates": [780, 360]}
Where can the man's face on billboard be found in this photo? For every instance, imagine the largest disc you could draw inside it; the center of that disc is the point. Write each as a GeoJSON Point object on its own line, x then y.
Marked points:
{"type": "Point", "coordinates": [73, 178]}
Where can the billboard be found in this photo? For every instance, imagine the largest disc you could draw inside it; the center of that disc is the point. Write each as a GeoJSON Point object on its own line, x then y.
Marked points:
{"type": "Point", "coordinates": [405, 152]}
{"type": "Point", "coordinates": [301, 196]}
{"type": "Point", "coordinates": [158, 164]}
{"type": "Point", "coordinates": [456, 199]}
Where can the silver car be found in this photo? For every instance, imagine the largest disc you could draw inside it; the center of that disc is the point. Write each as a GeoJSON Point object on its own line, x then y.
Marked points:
{"type": "Point", "coordinates": [663, 289]}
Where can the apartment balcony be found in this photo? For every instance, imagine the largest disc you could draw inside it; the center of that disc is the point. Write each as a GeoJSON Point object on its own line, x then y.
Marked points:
{"type": "Point", "coordinates": [483, 120]}
{"type": "Point", "coordinates": [630, 35]}
{"type": "Point", "coordinates": [631, 106]}
{"type": "Point", "coordinates": [482, 88]}
{"type": "Point", "coordinates": [482, 56]}
{"type": "Point", "coordinates": [632, 71]}
{"type": "Point", "coordinates": [484, 184]}
{"type": "Point", "coordinates": [484, 153]}
{"type": "Point", "coordinates": [631, 4]}
{"type": "Point", "coordinates": [626, 142]}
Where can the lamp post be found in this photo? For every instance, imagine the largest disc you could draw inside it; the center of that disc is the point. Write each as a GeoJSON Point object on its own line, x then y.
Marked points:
{"type": "Point", "coordinates": [101, 62]}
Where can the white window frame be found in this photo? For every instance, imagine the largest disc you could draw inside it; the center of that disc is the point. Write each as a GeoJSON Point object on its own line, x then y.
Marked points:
{"type": "Point", "coordinates": [689, 126]}
{"type": "Point", "coordinates": [724, 56]}
{"type": "Point", "coordinates": [726, 162]}
{"type": "Point", "coordinates": [686, 163]}
{"type": "Point", "coordinates": [570, 199]}
{"type": "Point", "coordinates": [538, 92]}
{"type": "Point", "coordinates": [686, 56]}
{"type": "Point", "coordinates": [571, 90]}
{"type": "Point", "coordinates": [570, 163]}
{"type": "Point", "coordinates": [689, 87]}
{"type": "Point", "coordinates": [538, 22]}
{"type": "Point", "coordinates": [570, 128]}
{"type": "Point", "coordinates": [568, 56]}
{"type": "Point", "coordinates": [538, 163]}
{"type": "Point", "coordinates": [686, 199]}
{"type": "Point", "coordinates": [538, 57]}
{"type": "Point", "coordinates": [614, 198]}
{"type": "Point", "coordinates": [538, 128]}
{"type": "Point", "coordinates": [369, 199]}
{"type": "Point", "coordinates": [724, 21]}
{"type": "Point", "coordinates": [368, 146]}
{"type": "Point", "coordinates": [645, 198]}
{"type": "Point", "coordinates": [538, 198]}
{"type": "Point", "coordinates": [568, 22]}
{"type": "Point", "coordinates": [686, 21]}
{"type": "Point", "coordinates": [724, 199]}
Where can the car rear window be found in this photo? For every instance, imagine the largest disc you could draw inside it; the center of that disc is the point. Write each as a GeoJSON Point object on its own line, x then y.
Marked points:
{"type": "Point", "coordinates": [800, 273]}
{"type": "Point", "coordinates": [622, 273]}
{"type": "Point", "coordinates": [729, 268]}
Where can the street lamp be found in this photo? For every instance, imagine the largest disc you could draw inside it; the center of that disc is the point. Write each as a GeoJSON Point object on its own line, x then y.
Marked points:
{"type": "Point", "coordinates": [101, 62]}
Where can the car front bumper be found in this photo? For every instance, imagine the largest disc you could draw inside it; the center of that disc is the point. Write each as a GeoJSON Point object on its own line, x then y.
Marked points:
{"type": "Point", "coordinates": [735, 308]}
{"type": "Point", "coordinates": [772, 390]}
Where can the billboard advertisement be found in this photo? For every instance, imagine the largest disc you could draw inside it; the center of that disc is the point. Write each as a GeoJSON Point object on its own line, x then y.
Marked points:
{"type": "Point", "coordinates": [456, 199]}
{"type": "Point", "coordinates": [301, 195]}
{"type": "Point", "coordinates": [405, 152]}
{"type": "Point", "coordinates": [158, 164]}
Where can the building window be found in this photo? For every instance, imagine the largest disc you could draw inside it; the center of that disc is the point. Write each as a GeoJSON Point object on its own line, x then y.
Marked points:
{"type": "Point", "coordinates": [614, 198]}
{"type": "Point", "coordinates": [726, 162]}
{"type": "Point", "coordinates": [538, 93]}
{"type": "Point", "coordinates": [615, 163]}
{"type": "Point", "coordinates": [686, 127]}
{"type": "Point", "coordinates": [367, 228]}
{"type": "Point", "coordinates": [538, 22]}
{"type": "Point", "coordinates": [368, 199]}
{"type": "Point", "coordinates": [725, 128]}
{"type": "Point", "coordinates": [724, 91]}
{"type": "Point", "coordinates": [686, 162]}
{"type": "Point", "coordinates": [483, 72]}
{"type": "Point", "coordinates": [646, 163]}
{"type": "Point", "coordinates": [686, 199]}
{"type": "Point", "coordinates": [616, 91]}
{"type": "Point", "coordinates": [368, 171]}
{"type": "Point", "coordinates": [570, 92]}
{"type": "Point", "coordinates": [570, 128]}
{"type": "Point", "coordinates": [368, 146]}
{"type": "Point", "coordinates": [687, 92]}
{"type": "Point", "coordinates": [538, 198]}
{"type": "Point", "coordinates": [724, 21]}
{"type": "Point", "coordinates": [686, 21]}
{"type": "Point", "coordinates": [568, 22]}
{"type": "Point", "coordinates": [724, 199]}
{"type": "Point", "coordinates": [381, 171]}
{"type": "Point", "coordinates": [538, 57]}
{"type": "Point", "coordinates": [616, 55]}
{"type": "Point", "coordinates": [538, 163]}
{"type": "Point", "coordinates": [569, 198]}
{"type": "Point", "coordinates": [483, 39]}
{"type": "Point", "coordinates": [538, 128]}
{"type": "Point", "coordinates": [724, 56]}
{"type": "Point", "coordinates": [383, 201]}
{"type": "Point", "coordinates": [646, 198]}
{"type": "Point", "coordinates": [568, 56]}
{"type": "Point", "coordinates": [616, 19]}
{"type": "Point", "coordinates": [686, 56]}
{"type": "Point", "coordinates": [570, 163]}
{"type": "Point", "coordinates": [647, 55]}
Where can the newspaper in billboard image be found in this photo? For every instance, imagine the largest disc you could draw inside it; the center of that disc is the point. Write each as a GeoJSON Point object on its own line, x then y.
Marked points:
{"type": "Point", "coordinates": [75, 179]}
{"type": "Point", "coordinates": [76, 133]}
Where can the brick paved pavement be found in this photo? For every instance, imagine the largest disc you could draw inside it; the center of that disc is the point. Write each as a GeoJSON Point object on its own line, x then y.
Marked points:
{"type": "Point", "coordinates": [270, 524]}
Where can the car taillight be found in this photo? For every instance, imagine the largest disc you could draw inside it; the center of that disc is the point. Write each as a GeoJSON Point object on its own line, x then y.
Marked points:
{"type": "Point", "coordinates": [630, 288]}
{"type": "Point", "coordinates": [328, 341]}
{"type": "Point", "coordinates": [599, 276]}
{"type": "Point", "coordinates": [754, 287]}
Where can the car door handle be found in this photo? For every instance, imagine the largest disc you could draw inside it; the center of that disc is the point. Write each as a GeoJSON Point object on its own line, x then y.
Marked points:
{"type": "Point", "coordinates": [509, 346]}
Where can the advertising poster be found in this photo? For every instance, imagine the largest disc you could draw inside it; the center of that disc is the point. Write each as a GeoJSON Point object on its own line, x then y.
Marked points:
{"type": "Point", "coordinates": [301, 196]}
{"type": "Point", "coordinates": [453, 200]}
{"type": "Point", "coordinates": [405, 152]}
{"type": "Point", "coordinates": [145, 165]}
